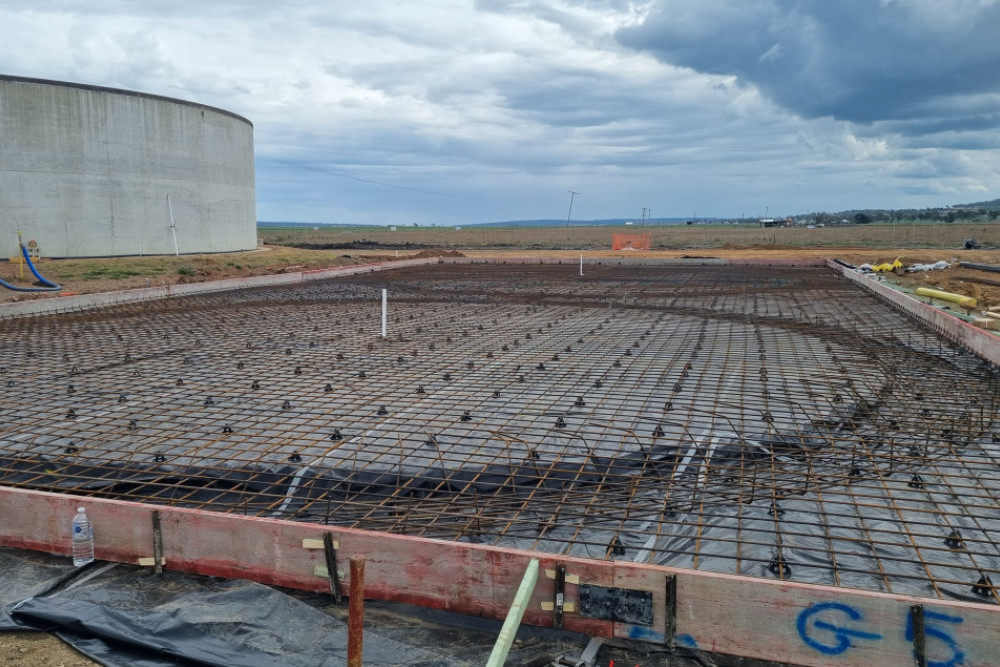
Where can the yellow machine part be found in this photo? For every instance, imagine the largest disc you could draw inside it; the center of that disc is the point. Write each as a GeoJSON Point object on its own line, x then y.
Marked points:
{"type": "Point", "coordinates": [882, 268]}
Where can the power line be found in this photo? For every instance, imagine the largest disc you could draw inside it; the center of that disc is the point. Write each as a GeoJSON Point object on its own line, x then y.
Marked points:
{"type": "Point", "coordinates": [572, 196]}
{"type": "Point", "coordinates": [356, 178]}
{"type": "Point", "coordinates": [597, 204]}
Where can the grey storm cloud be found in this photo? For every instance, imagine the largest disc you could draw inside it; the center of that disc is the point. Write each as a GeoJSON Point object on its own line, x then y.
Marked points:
{"type": "Point", "coordinates": [469, 110]}
{"type": "Point", "coordinates": [923, 65]}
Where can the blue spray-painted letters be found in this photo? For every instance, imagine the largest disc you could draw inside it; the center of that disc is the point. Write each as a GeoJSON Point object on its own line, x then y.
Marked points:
{"type": "Point", "coordinates": [822, 626]}
{"type": "Point", "coordinates": [957, 655]}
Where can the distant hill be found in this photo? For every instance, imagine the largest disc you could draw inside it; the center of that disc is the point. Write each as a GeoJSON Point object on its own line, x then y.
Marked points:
{"type": "Point", "coordinates": [272, 223]}
{"type": "Point", "coordinates": [613, 222]}
{"type": "Point", "coordinates": [949, 213]}
{"type": "Point", "coordinates": [982, 204]}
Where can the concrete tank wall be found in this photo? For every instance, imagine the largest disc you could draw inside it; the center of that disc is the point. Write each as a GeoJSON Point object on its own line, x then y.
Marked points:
{"type": "Point", "coordinates": [86, 171]}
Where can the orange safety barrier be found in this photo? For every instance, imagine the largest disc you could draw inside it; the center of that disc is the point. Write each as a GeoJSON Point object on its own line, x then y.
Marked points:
{"type": "Point", "coordinates": [631, 242]}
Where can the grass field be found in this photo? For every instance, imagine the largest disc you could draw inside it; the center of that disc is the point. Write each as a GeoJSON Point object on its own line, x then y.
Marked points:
{"type": "Point", "coordinates": [913, 235]}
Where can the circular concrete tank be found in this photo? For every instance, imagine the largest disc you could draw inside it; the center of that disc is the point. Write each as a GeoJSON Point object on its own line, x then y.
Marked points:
{"type": "Point", "coordinates": [88, 171]}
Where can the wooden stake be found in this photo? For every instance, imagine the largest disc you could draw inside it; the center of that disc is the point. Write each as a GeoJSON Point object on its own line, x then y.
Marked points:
{"type": "Point", "coordinates": [356, 614]}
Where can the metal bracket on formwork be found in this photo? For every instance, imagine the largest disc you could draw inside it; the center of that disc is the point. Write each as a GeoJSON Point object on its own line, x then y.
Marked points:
{"type": "Point", "coordinates": [559, 606]}
{"type": "Point", "coordinates": [157, 560]}
{"type": "Point", "coordinates": [560, 596]}
{"type": "Point", "coordinates": [919, 636]}
{"type": "Point", "coordinates": [330, 550]}
{"type": "Point", "coordinates": [670, 625]}
{"type": "Point", "coordinates": [329, 547]}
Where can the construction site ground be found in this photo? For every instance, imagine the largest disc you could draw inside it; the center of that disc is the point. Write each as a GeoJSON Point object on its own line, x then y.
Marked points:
{"type": "Point", "coordinates": [30, 649]}
{"type": "Point", "coordinates": [110, 274]}
{"type": "Point", "coordinates": [286, 627]}
{"type": "Point", "coordinates": [90, 276]}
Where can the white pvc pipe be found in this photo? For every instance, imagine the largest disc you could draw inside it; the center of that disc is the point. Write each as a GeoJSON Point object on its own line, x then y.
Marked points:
{"type": "Point", "coordinates": [385, 299]}
{"type": "Point", "coordinates": [173, 227]}
{"type": "Point", "coordinates": [581, 263]}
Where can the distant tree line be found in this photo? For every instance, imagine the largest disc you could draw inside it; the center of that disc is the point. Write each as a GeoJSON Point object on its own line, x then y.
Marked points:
{"type": "Point", "coordinates": [950, 214]}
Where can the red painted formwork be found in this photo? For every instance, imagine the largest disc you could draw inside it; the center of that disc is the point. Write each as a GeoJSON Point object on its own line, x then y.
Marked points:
{"type": "Point", "coordinates": [781, 621]}
{"type": "Point", "coordinates": [979, 341]}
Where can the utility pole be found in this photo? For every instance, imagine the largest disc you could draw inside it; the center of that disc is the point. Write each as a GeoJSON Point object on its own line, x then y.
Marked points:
{"type": "Point", "coordinates": [572, 195]}
{"type": "Point", "coordinates": [643, 216]}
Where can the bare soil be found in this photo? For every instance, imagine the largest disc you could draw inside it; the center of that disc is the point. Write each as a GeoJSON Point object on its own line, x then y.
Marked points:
{"type": "Point", "coordinates": [107, 274]}
{"type": "Point", "coordinates": [87, 276]}
{"type": "Point", "coordinates": [969, 282]}
{"type": "Point", "coordinates": [39, 648]}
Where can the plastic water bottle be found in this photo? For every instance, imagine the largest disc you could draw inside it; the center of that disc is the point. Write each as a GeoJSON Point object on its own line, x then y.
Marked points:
{"type": "Point", "coordinates": [83, 539]}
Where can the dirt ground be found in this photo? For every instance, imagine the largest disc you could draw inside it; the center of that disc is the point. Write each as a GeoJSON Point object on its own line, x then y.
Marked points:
{"type": "Point", "coordinates": [107, 274]}
{"type": "Point", "coordinates": [969, 282]}
{"type": "Point", "coordinates": [36, 649]}
{"type": "Point", "coordinates": [87, 276]}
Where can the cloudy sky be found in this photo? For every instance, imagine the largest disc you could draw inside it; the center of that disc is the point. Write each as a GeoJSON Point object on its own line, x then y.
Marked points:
{"type": "Point", "coordinates": [465, 111]}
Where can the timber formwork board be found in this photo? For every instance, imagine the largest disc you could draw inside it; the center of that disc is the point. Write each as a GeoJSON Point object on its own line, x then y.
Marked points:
{"type": "Point", "coordinates": [763, 421]}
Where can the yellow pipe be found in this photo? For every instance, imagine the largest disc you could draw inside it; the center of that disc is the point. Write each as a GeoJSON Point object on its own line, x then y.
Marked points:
{"type": "Point", "coordinates": [960, 299]}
